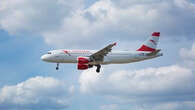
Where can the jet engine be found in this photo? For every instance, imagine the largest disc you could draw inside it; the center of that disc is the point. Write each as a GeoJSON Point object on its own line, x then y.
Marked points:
{"type": "Point", "coordinates": [83, 60]}
{"type": "Point", "coordinates": [83, 63]}
{"type": "Point", "coordinates": [82, 66]}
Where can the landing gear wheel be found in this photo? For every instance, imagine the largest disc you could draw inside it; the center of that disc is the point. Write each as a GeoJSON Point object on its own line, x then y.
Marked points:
{"type": "Point", "coordinates": [98, 68]}
{"type": "Point", "coordinates": [57, 68]}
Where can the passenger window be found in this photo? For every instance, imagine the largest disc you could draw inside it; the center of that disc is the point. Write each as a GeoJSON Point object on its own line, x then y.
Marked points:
{"type": "Point", "coordinates": [49, 53]}
{"type": "Point", "coordinates": [141, 54]}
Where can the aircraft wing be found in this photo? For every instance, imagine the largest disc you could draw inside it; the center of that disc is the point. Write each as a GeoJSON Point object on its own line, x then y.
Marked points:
{"type": "Point", "coordinates": [99, 55]}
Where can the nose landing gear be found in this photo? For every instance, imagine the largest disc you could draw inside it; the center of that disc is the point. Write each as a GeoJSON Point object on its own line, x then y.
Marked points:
{"type": "Point", "coordinates": [57, 67]}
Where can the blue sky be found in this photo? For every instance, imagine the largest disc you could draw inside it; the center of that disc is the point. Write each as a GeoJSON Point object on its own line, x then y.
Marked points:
{"type": "Point", "coordinates": [30, 28]}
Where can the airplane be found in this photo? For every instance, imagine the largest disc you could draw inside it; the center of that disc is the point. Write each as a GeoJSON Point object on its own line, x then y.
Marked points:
{"type": "Point", "coordinates": [86, 59]}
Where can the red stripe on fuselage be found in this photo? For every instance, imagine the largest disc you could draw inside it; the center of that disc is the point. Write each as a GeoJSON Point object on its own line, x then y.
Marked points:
{"type": "Point", "coordinates": [146, 48]}
{"type": "Point", "coordinates": [65, 51]}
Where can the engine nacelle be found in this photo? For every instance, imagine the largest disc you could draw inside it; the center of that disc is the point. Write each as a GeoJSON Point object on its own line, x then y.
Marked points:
{"type": "Point", "coordinates": [83, 60]}
{"type": "Point", "coordinates": [82, 66]}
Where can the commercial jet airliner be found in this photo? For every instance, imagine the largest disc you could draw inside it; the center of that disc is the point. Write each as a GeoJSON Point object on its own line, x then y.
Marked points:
{"type": "Point", "coordinates": [88, 58]}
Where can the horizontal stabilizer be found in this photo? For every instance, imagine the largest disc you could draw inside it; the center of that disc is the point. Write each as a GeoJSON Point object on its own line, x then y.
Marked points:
{"type": "Point", "coordinates": [154, 52]}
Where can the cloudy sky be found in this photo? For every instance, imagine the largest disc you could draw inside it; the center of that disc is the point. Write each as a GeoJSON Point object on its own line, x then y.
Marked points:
{"type": "Point", "coordinates": [29, 28]}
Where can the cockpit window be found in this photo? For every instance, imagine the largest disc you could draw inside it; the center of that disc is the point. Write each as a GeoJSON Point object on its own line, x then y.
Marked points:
{"type": "Point", "coordinates": [49, 53]}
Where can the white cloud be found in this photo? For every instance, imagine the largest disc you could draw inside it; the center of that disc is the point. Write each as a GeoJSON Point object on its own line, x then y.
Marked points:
{"type": "Point", "coordinates": [186, 105]}
{"type": "Point", "coordinates": [188, 56]}
{"type": "Point", "coordinates": [87, 79]}
{"type": "Point", "coordinates": [175, 106]}
{"type": "Point", "coordinates": [70, 25]}
{"type": "Point", "coordinates": [36, 93]}
{"type": "Point", "coordinates": [104, 19]}
{"type": "Point", "coordinates": [188, 53]}
{"type": "Point", "coordinates": [150, 84]}
{"type": "Point", "coordinates": [34, 16]}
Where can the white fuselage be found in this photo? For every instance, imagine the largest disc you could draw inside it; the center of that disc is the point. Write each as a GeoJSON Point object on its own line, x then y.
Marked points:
{"type": "Point", "coordinates": [115, 57]}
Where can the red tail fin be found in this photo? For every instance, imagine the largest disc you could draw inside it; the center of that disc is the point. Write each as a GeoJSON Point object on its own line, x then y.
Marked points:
{"type": "Point", "coordinates": [150, 44]}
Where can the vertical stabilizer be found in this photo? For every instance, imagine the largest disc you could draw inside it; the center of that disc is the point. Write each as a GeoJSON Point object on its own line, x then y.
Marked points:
{"type": "Point", "coordinates": [150, 44]}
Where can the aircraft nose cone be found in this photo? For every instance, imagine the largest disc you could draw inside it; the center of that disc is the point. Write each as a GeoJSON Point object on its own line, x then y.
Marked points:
{"type": "Point", "coordinates": [44, 57]}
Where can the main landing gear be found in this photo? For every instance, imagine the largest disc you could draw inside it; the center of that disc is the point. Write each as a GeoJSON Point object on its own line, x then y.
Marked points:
{"type": "Point", "coordinates": [90, 66]}
{"type": "Point", "coordinates": [57, 67]}
{"type": "Point", "coordinates": [98, 68]}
